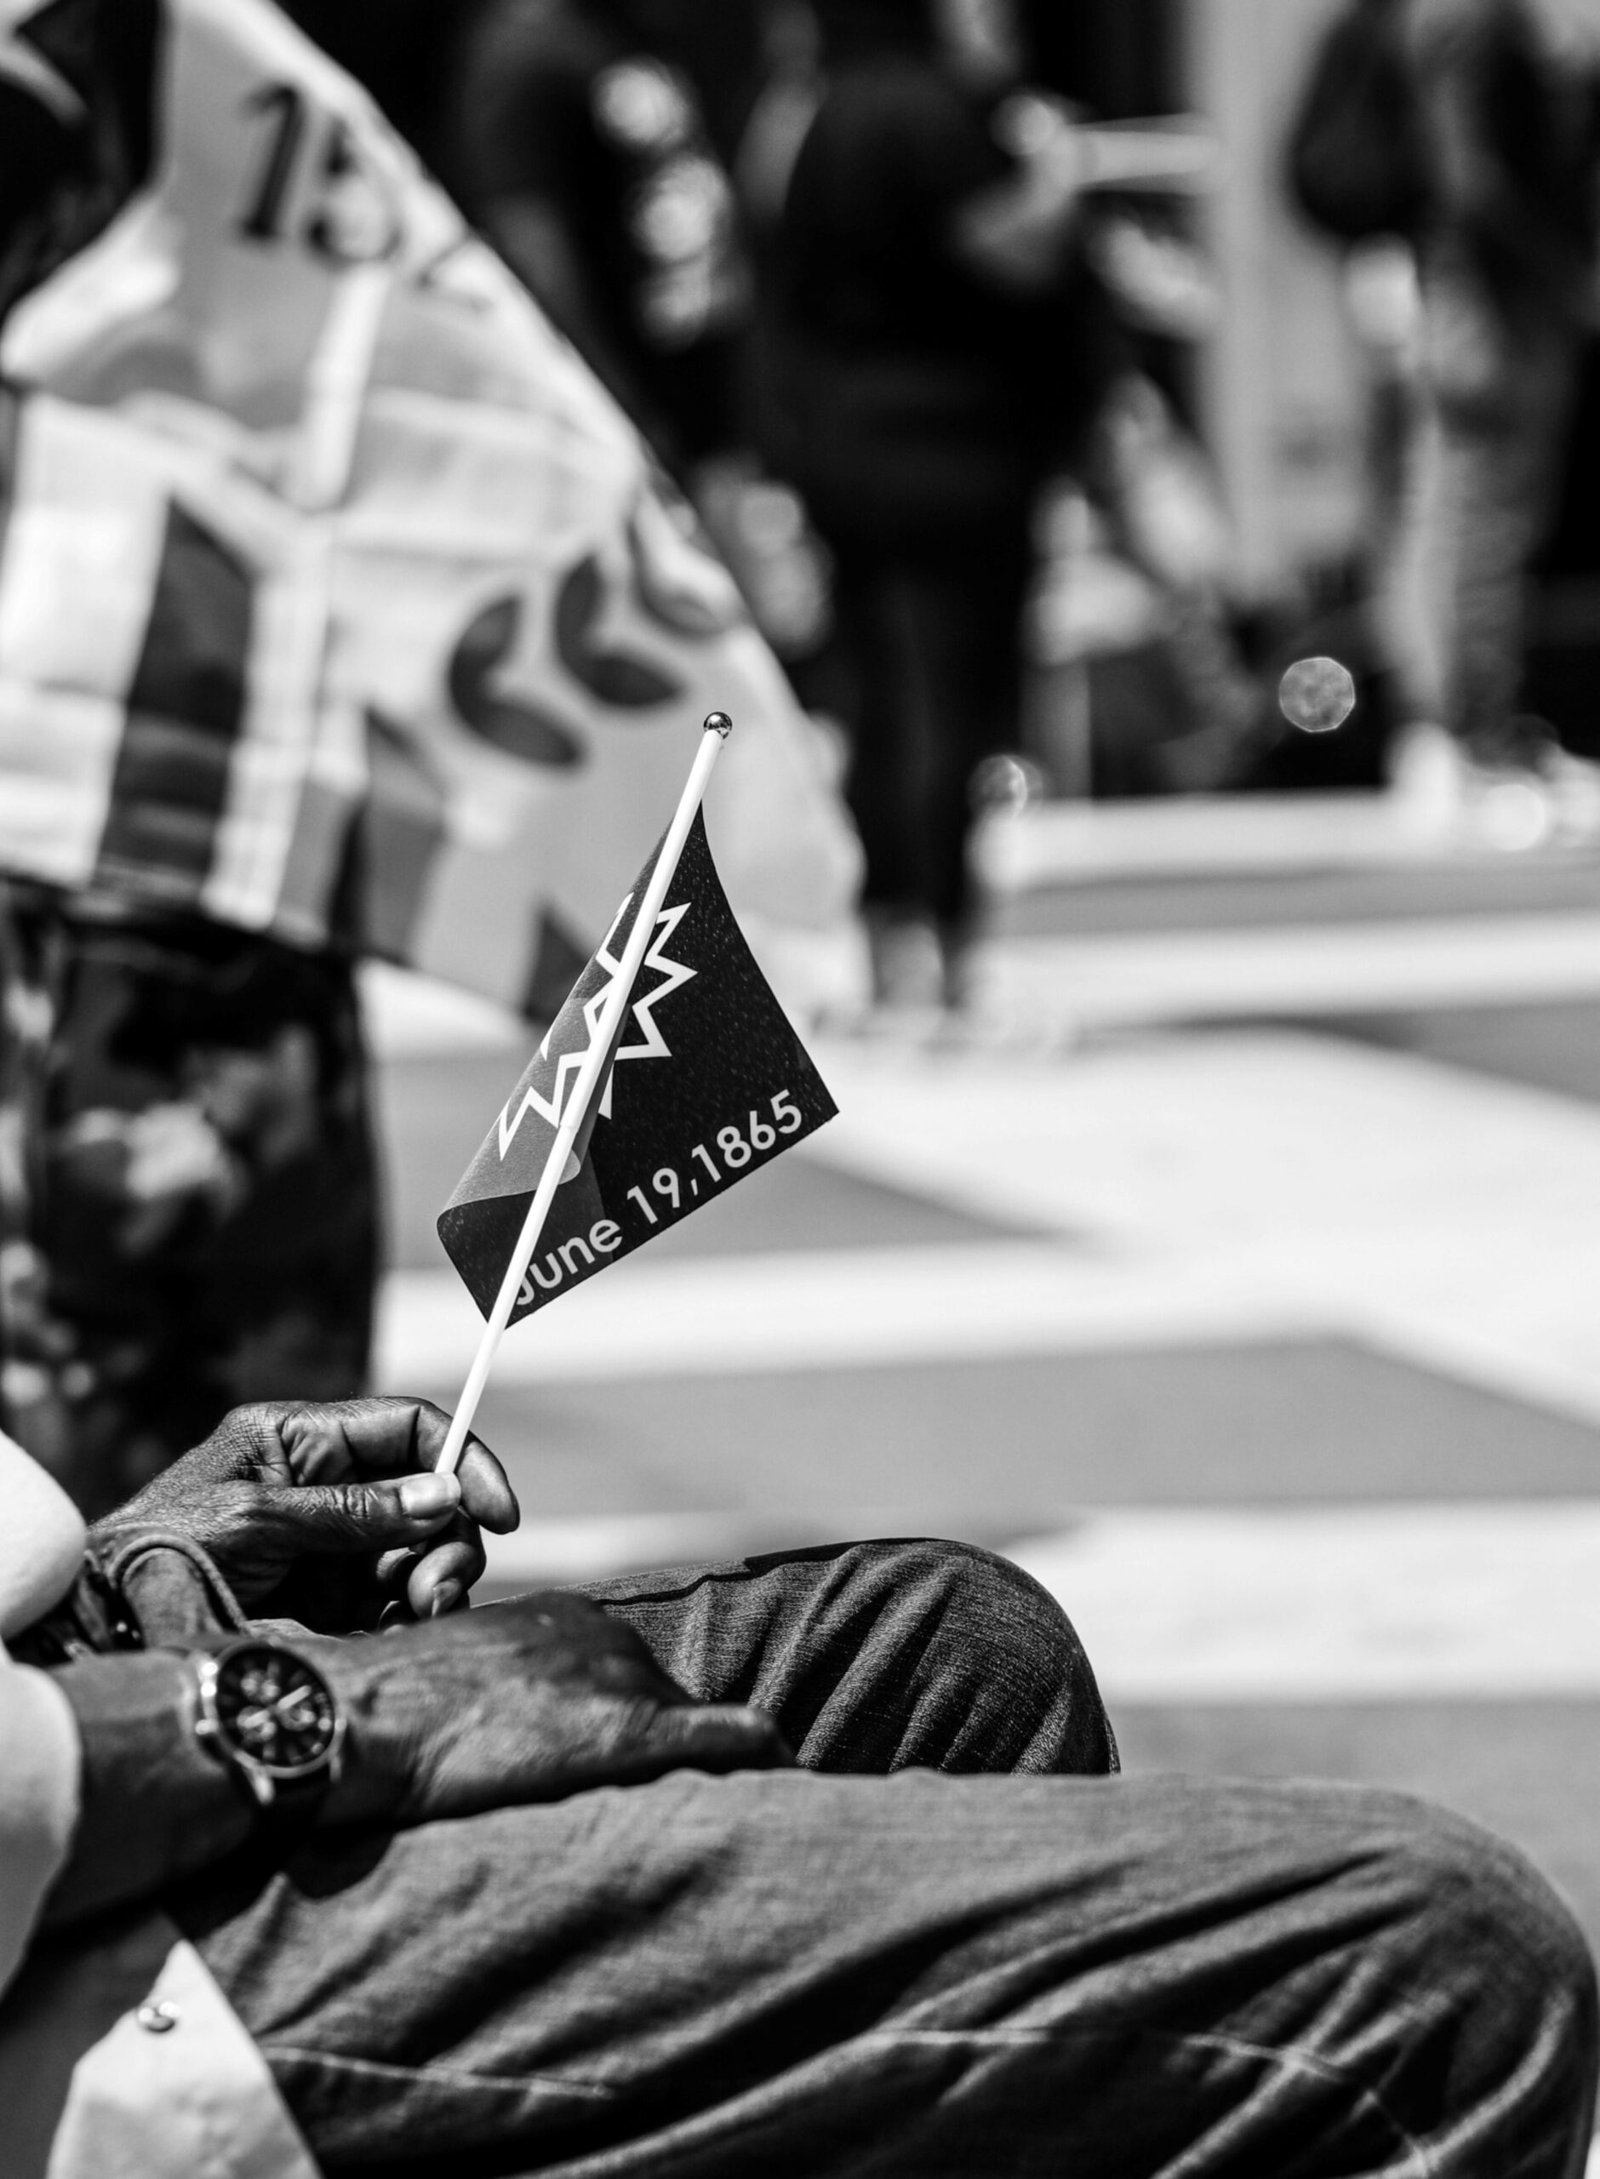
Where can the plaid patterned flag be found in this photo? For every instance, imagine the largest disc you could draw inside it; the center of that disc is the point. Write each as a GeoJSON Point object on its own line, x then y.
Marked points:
{"type": "Point", "coordinates": [337, 599]}
{"type": "Point", "coordinates": [707, 1082]}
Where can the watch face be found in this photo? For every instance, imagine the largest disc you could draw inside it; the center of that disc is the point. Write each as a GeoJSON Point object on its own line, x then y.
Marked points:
{"type": "Point", "coordinates": [274, 1708]}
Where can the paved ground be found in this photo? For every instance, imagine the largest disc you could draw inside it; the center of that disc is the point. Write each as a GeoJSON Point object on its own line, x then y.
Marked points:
{"type": "Point", "coordinates": [1248, 1297]}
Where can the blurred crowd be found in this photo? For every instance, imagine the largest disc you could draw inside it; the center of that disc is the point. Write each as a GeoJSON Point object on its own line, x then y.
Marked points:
{"type": "Point", "coordinates": [837, 261]}
{"type": "Point", "coordinates": [908, 295]}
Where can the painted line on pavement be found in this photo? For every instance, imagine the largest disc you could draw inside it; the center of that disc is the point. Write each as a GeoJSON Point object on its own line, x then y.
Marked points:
{"type": "Point", "coordinates": [1136, 979]}
{"type": "Point", "coordinates": [1065, 843]}
{"type": "Point", "coordinates": [1334, 1603]}
{"type": "Point", "coordinates": [826, 1309]}
{"type": "Point", "coordinates": [1124, 979]}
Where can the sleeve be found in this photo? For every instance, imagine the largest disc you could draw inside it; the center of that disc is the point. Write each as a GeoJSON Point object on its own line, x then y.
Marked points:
{"type": "Point", "coordinates": [41, 1550]}
{"type": "Point", "coordinates": [42, 1542]}
{"type": "Point", "coordinates": [39, 1781]}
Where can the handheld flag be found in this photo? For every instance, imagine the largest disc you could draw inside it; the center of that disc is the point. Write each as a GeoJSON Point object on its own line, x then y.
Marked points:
{"type": "Point", "coordinates": [706, 1082]}
{"type": "Point", "coordinates": [732, 1041]}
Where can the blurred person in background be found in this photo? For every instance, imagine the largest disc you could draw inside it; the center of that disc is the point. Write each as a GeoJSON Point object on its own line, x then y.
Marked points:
{"type": "Point", "coordinates": [579, 144]}
{"type": "Point", "coordinates": [592, 144]}
{"type": "Point", "coordinates": [1505, 259]}
{"type": "Point", "coordinates": [1453, 126]}
{"type": "Point", "coordinates": [929, 378]}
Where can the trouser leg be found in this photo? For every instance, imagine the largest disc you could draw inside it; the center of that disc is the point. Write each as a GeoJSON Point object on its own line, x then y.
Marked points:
{"type": "Point", "coordinates": [936, 644]}
{"type": "Point", "coordinates": [920, 1975]}
{"type": "Point", "coordinates": [880, 1656]}
{"type": "Point", "coordinates": [849, 1978]}
{"type": "Point", "coordinates": [1497, 466]}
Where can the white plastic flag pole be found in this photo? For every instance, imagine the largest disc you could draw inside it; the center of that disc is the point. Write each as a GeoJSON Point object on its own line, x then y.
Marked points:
{"type": "Point", "coordinates": [715, 732]}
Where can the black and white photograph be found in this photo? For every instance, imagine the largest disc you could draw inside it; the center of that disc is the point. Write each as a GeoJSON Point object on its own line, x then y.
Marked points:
{"type": "Point", "coordinates": [913, 688]}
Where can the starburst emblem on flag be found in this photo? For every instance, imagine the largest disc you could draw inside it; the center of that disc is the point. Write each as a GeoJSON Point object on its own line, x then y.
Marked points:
{"type": "Point", "coordinates": [651, 1044]}
{"type": "Point", "coordinates": [673, 974]}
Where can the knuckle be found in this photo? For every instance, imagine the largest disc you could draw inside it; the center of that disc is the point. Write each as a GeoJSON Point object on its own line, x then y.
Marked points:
{"type": "Point", "coordinates": [430, 1424]}
{"type": "Point", "coordinates": [362, 1507]}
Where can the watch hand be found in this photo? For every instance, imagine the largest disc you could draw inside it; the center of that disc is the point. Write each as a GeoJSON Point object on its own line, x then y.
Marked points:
{"type": "Point", "coordinates": [258, 1722]}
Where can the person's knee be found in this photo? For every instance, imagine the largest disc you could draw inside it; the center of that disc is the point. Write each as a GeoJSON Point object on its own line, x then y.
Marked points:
{"type": "Point", "coordinates": [1486, 1940]}
{"type": "Point", "coordinates": [975, 1599]}
{"type": "Point", "coordinates": [1463, 1880]}
{"type": "Point", "coordinates": [1000, 1645]}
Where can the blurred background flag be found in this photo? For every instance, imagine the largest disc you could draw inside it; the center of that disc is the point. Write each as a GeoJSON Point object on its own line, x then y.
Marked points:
{"type": "Point", "coordinates": [707, 1082]}
{"type": "Point", "coordinates": [338, 601]}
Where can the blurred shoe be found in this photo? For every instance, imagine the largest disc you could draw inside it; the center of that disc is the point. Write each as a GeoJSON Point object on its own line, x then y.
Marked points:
{"type": "Point", "coordinates": [1532, 757]}
{"type": "Point", "coordinates": [985, 1014]}
{"type": "Point", "coordinates": [1427, 771]}
{"type": "Point", "coordinates": [905, 995]}
{"type": "Point", "coordinates": [987, 1028]}
{"type": "Point", "coordinates": [1525, 794]}
{"type": "Point", "coordinates": [1573, 785]}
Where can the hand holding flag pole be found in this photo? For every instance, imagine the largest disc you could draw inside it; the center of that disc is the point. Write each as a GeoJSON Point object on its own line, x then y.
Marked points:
{"type": "Point", "coordinates": [589, 1083]}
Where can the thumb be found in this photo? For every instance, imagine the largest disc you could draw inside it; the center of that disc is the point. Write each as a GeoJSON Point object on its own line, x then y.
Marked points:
{"type": "Point", "coordinates": [367, 1516]}
{"type": "Point", "coordinates": [720, 1736]}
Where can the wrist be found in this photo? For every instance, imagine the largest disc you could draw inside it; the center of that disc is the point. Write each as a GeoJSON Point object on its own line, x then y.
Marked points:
{"type": "Point", "coordinates": [153, 1806]}
{"type": "Point", "coordinates": [383, 1696]}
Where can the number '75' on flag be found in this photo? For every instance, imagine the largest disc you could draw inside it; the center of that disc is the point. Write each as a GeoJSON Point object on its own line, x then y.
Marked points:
{"type": "Point", "coordinates": [707, 1081]}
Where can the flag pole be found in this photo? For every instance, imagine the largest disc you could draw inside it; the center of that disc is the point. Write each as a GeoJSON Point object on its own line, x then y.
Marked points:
{"type": "Point", "coordinates": [717, 728]}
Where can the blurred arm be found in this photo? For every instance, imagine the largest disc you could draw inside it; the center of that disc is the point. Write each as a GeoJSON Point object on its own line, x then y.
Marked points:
{"type": "Point", "coordinates": [1014, 233]}
{"type": "Point", "coordinates": [39, 1793]}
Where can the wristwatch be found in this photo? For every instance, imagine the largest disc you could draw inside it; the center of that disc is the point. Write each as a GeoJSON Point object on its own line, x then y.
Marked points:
{"type": "Point", "coordinates": [270, 1716]}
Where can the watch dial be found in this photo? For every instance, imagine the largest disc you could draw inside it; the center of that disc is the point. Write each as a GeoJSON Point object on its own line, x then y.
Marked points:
{"type": "Point", "coordinates": [275, 1708]}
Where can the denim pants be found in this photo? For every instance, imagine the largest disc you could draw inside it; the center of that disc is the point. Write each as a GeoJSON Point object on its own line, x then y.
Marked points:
{"type": "Point", "coordinates": [953, 1942]}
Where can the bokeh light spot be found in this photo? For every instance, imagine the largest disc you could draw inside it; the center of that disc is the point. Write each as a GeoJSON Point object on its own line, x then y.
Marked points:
{"type": "Point", "coordinates": [1006, 784]}
{"type": "Point", "coordinates": [1317, 694]}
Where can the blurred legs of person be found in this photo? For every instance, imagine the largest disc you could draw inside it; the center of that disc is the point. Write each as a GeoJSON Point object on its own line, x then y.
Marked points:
{"type": "Point", "coordinates": [1483, 476]}
{"type": "Point", "coordinates": [1493, 491]}
{"type": "Point", "coordinates": [1504, 254]}
{"type": "Point", "coordinates": [935, 647]}
{"type": "Point", "coordinates": [936, 361]}
{"type": "Point", "coordinates": [187, 1184]}
{"type": "Point", "coordinates": [1478, 503]}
